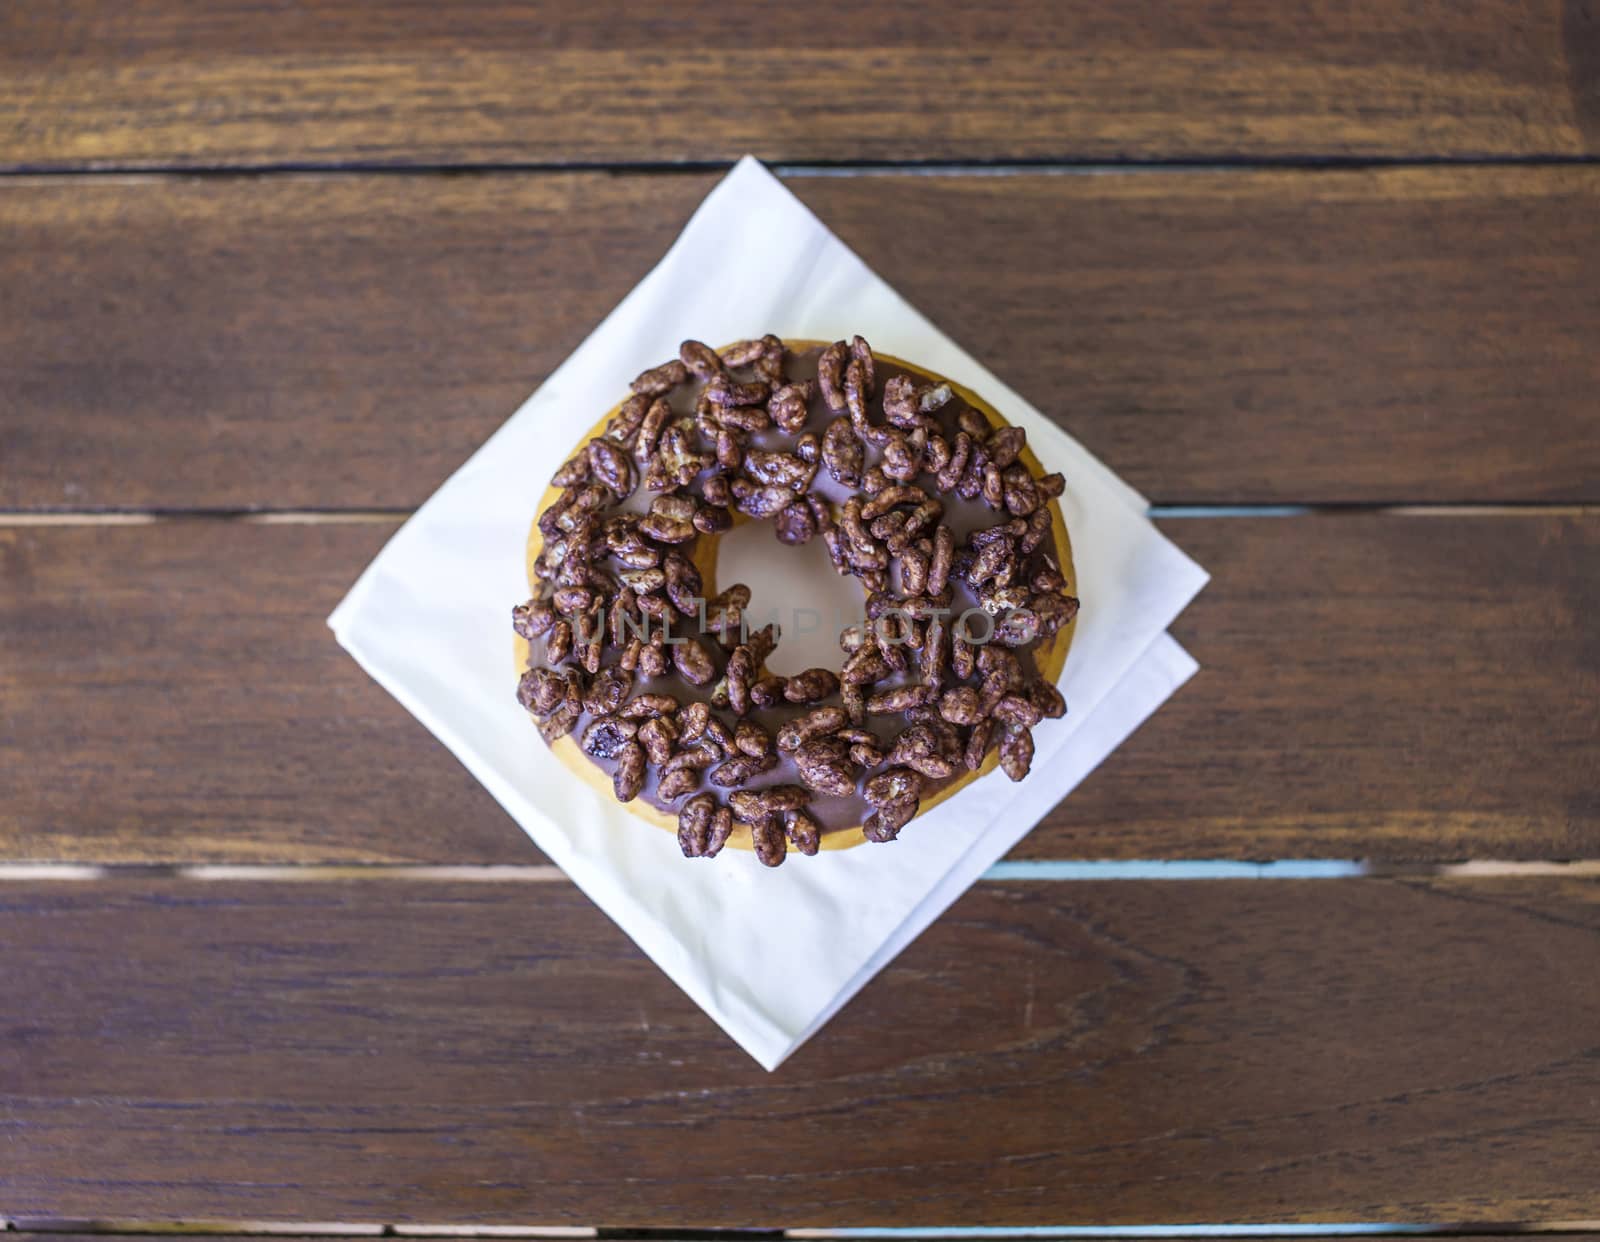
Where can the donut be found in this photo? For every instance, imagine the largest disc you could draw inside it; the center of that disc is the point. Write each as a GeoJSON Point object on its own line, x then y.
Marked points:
{"type": "Point", "coordinates": [648, 679]}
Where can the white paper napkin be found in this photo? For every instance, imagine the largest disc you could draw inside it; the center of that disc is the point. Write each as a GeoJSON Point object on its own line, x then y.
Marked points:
{"type": "Point", "coordinates": [771, 955]}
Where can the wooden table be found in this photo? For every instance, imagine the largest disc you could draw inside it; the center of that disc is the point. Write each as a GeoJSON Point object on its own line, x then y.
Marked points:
{"type": "Point", "coordinates": [1322, 279]}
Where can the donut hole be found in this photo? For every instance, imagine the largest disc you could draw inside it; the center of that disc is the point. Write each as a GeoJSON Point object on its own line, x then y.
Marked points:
{"type": "Point", "coordinates": [794, 586]}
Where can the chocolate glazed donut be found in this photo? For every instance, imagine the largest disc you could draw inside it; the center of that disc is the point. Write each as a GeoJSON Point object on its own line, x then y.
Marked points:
{"type": "Point", "coordinates": [643, 676]}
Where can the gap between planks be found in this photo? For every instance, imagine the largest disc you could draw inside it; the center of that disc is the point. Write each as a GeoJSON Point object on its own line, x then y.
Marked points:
{"type": "Point", "coordinates": [283, 517]}
{"type": "Point", "coordinates": [332, 1229]}
{"type": "Point", "coordinates": [1296, 1230]}
{"type": "Point", "coordinates": [1003, 872]}
{"type": "Point", "coordinates": [315, 517]}
{"type": "Point", "coordinates": [1044, 165]}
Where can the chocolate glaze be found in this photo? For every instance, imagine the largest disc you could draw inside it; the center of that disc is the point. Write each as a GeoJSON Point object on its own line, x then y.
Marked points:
{"type": "Point", "coordinates": [833, 813]}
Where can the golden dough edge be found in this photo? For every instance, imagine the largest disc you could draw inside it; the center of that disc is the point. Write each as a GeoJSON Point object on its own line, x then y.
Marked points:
{"type": "Point", "coordinates": [1050, 659]}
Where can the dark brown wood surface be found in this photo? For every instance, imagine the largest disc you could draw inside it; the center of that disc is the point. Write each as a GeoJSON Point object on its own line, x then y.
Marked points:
{"type": "Point", "coordinates": [641, 1234]}
{"type": "Point", "coordinates": [86, 83]}
{"type": "Point", "coordinates": [1053, 1053]}
{"type": "Point", "coordinates": [1374, 336]}
{"type": "Point", "coordinates": [1359, 269]}
{"type": "Point", "coordinates": [1374, 686]}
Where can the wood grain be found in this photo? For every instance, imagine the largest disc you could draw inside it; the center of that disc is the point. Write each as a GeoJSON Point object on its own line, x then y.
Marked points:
{"type": "Point", "coordinates": [1388, 687]}
{"type": "Point", "coordinates": [1377, 687]}
{"type": "Point", "coordinates": [1046, 1054]}
{"type": "Point", "coordinates": [1378, 336]}
{"type": "Point", "coordinates": [181, 688]}
{"type": "Point", "coordinates": [90, 83]}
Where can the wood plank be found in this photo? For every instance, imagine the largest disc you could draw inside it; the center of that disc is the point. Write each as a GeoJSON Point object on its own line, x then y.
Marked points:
{"type": "Point", "coordinates": [171, 693]}
{"type": "Point", "coordinates": [1389, 336]}
{"type": "Point", "coordinates": [1046, 1054]}
{"type": "Point", "coordinates": [1383, 687]}
{"type": "Point", "coordinates": [1375, 686]}
{"type": "Point", "coordinates": [88, 83]}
